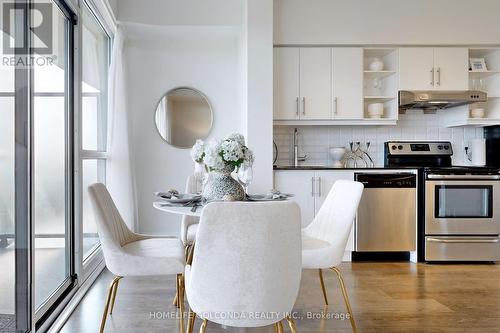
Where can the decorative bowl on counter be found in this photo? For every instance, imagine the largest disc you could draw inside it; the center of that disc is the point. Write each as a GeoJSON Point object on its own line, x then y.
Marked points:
{"type": "Point", "coordinates": [337, 154]}
{"type": "Point", "coordinates": [375, 110]}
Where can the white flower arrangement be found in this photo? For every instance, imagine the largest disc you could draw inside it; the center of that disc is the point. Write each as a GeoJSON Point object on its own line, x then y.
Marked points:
{"type": "Point", "coordinates": [218, 155]}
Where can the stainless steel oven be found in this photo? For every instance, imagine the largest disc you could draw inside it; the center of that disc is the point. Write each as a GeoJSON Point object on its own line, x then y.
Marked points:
{"type": "Point", "coordinates": [462, 204]}
{"type": "Point", "coordinates": [462, 215]}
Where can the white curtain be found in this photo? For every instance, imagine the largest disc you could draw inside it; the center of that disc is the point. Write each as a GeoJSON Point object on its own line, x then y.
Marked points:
{"type": "Point", "coordinates": [119, 172]}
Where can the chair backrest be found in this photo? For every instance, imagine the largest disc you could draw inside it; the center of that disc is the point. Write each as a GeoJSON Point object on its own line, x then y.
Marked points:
{"type": "Point", "coordinates": [247, 261]}
{"type": "Point", "coordinates": [333, 223]}
{"type": "Point", "coordinates": [113, 232]}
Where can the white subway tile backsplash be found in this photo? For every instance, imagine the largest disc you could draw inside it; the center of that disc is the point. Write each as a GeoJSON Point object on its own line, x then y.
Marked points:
{"type": "Point", "coordinates": [315, 141]}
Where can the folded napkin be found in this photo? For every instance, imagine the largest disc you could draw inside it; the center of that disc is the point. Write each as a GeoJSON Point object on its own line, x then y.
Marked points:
{"type": "Point", "coordinates": [172, 193]}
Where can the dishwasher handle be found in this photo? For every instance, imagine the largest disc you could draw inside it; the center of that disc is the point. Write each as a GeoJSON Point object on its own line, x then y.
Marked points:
{"type": "Point", "coordinates": [387, 180]}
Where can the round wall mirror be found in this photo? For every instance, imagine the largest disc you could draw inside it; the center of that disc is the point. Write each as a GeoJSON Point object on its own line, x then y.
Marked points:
{"type": "Point", "coordinates": [182, 116]}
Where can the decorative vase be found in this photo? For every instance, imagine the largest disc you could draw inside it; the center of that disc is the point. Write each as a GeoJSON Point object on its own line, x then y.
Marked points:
{"type": "Point", "coordinates": [220, 185]}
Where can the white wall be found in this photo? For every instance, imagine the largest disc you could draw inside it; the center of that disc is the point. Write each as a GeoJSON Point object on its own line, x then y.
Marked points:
{"type": "Point", "coordinates": [387, 22]}
{"type": "Point", "coordinates": [181, 12]}
{"type": "Point", "coordinates": [159, 59]}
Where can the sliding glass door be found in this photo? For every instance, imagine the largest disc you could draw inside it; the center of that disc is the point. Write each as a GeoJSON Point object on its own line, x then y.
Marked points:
{"type": "Point", "coordinates": [52, 156]}
{"type": "Point", "coordinates": [36, 161]}
{"type": "Point", "coordinates": [7, 186]}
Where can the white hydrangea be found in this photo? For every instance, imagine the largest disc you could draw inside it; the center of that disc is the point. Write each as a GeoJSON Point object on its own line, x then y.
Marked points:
{"type": "Point", "coordinates": [212, 159]}
{"type": "Point", "coordinates": [231, 151]}
{"type": "Point", "coordinates": [198, 151]}
{"type": "Point", "coordinates": [236, 137]}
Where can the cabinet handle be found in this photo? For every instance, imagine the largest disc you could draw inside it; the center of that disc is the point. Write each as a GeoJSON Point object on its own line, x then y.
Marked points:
{"type": "Point", "coordinates": [439, 76]}
{"type": "Point", "coordinates": [297, 106]}
{"type": "Point", "coordinates": [312, 186]}
{"type": "Point", "coordinates": [303, 106]}
{"type": "Point", "coordinates": [319, 186]}
{"type": "Point", "coordinates": [335, 112]}
{"type": "Point", "coordinates": [432, 76]}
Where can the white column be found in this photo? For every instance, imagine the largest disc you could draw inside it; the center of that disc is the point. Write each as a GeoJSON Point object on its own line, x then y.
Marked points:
{"type": "Point", "coordinates": [257, 96]}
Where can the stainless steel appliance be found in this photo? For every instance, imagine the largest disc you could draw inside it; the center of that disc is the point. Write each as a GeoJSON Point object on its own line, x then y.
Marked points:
{"type": "Point", "coordinates": [492, 136]}
{"type": "Point", "coordinates": [432, 100]}
{"type": "Point", "coordinates": [387, 213]}
{"type": "Point", "coordinates": [459, 207]}
{"type": "Point", "coordinates": [462, 216]}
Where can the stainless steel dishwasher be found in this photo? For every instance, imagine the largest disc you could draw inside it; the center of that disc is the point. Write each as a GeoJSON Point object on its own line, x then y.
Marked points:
{"type": "Point", "coordinates": [387, 213]}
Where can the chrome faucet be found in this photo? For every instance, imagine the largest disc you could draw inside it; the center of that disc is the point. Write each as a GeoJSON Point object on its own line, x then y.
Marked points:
{"type": "Point", "coordinates": [296, 157]}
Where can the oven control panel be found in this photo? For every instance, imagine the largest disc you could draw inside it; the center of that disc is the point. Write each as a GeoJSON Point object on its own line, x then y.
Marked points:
{"type": "Point", "coordinates": [418, 148]}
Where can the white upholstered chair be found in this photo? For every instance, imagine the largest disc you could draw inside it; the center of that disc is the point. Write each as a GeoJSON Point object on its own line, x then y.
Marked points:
{"type": "Point", "coordinates": [247, 260]}
{"type": "Point", "coordinates": [129, 254]}
{"type": "Point", "coordinates": [189, 224]}
{"type": "Point", "coordinates": [325, 239]}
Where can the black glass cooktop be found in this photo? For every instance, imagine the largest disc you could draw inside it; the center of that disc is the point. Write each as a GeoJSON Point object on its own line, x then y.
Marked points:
{"type": "Point", "coordinates": [461, 170]}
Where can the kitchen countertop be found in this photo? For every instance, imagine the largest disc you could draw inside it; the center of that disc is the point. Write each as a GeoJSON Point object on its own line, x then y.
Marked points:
{"type": "Point", "coordinates": [326, 167]}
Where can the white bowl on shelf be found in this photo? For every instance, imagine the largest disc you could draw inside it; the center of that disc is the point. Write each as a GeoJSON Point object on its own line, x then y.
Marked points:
{"type": "Point", "coordinates": [376, 64]}
{"type": "Point", "coordinates": [375, 110]}
{"type": "Point", "coordinates": [477, 113]}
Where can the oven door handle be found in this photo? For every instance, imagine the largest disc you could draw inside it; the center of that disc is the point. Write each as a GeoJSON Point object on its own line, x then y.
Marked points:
{"type": "Point", "coordinates": [473, 240]}
{"type": "Point", "coordinates": [477, 177]}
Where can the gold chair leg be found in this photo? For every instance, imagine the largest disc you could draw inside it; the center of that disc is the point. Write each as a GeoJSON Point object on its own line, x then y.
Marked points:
{"type": "Point", "coordinates": [276, 328]}
{"type": "Point", "coordinates": [203, 326]}
{"type": "Point", "coordinates": [189, 259]}
{"type": "Point", "coordinates": [291, 323]}
{"type": "Point", "coordinates": [108, 301]}
{"type": "Point", "coordinates": [346, 298]}
{"type": "Point", "coordinates": [280, 327]}
{"type": "Point", "coordinates": [113, 297]}
{"type": "Point", "coordinates": [191, 320]}
{"type": "Point", "coordinates": [323, 286]}
{"type": "Point", "coordinates": [180, 299]}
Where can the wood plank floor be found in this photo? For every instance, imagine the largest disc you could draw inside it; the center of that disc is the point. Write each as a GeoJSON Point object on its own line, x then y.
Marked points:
{"type": "Point", "coordinates": [386, 297]}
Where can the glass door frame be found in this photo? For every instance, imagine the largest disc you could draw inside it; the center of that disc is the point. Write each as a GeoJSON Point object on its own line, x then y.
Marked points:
{"type": "Point", "coordinates": [41, 314]}
{"type": "Point", "coordinates": [27, 316]}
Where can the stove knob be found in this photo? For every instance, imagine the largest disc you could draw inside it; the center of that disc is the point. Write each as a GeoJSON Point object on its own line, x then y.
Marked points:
{"type": "Point", "coordinates": [400, 147]}
{"type": "Point", "coordinates": [440, 147]}
{"type": "Point", "coordinates": [394, 147]}
{"type": "Point", "coordinates": [446, 147]}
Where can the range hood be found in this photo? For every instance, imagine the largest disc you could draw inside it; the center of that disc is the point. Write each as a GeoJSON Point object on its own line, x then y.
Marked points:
{"type": "Point", "coordinates": [433, 100]}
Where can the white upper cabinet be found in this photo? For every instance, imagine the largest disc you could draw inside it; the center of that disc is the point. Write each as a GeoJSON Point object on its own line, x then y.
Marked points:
{"type": "Point", "coordinates": [452, 68]}
{"type": "Point", "coordinates": [416, 68]}
{"type": "Point", "coordinates": [315, 83]}
{"type": "Point", "coordinates": [318, 83]}
{"type": "Point", "coordinates": [347, 87]}
{"type": "Point", "coordinates": [428, 68]}
{"type": "Point", "coordinates": [286, 83]}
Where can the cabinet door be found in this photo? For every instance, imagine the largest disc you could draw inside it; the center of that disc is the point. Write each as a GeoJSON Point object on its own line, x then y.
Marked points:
{"type": "Point", "coordinates": [324, 183]}
{"type": "Point", "coordinates": [315, 83]}
{"type": "Point", "coordinates": [452, 68]}
{"type": "Point", "coordinates": [347, 83]}
{"type": "Point", "coordinates": [286, 83]}
{"type": "Point", "coordinates": [301, 184]}
{"type": "Point", "coordinates": [416, 68]}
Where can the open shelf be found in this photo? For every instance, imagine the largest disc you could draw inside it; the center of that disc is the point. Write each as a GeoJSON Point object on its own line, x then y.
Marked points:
{"type": "Point", "coordinates": [482, 73]}
{"type": "Point", "coordinates": [378, 74]}
{"type": "Point", "coordinates": [375, 99]}
{"type": "Point", "coordinates": [473, 122]}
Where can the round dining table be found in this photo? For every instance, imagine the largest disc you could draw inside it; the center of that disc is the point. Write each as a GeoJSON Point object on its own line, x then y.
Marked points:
{"type": "Point", "coordinates": [178, 210]}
